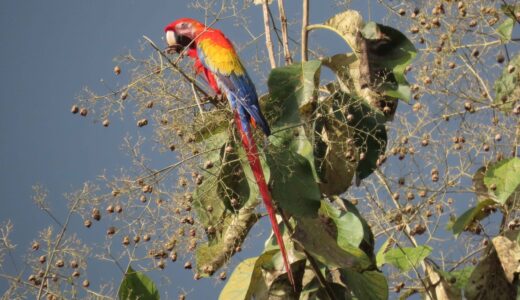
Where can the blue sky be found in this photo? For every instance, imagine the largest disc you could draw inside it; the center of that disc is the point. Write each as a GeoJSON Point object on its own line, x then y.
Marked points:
{"type": "Point", "coordinates": [51, 50]}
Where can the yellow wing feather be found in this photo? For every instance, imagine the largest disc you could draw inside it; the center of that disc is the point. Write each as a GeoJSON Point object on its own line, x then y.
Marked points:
{"type": "Point", "coordinates": [220, 59]}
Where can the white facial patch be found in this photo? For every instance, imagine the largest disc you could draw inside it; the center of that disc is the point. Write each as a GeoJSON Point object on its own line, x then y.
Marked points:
{"type": "Point", "coordinates": [170, 38]}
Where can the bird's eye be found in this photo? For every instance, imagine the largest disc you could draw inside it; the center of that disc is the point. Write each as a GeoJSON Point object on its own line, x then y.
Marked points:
{"type": "Point", "coordinates": [184, 25]}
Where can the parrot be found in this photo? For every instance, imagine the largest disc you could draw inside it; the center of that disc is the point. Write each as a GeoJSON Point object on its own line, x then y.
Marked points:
{"type": "Point", "coordinates": [216, 58]}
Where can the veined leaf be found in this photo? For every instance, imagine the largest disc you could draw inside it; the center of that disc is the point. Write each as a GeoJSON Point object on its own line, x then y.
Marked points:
{"type": "Point", "coordinates": [407, 258]}
{"type": "Point", "coordinates": [137, 285]}
{"type": "Point", "coordinates": [505, 177]}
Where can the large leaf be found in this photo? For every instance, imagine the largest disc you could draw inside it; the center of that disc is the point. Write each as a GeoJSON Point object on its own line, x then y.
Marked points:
{"type": "Point", "coordinates": [390, 52]}
{"type": "Point", "coordinates": [505, 30]}
{"type": "Point", "coordinates": [505, 176]}
{"type": "Point", "coordinates": [137, 285]}
{"type": "Point", "coordinates": [488, 281]}
{"type": "Point", "coordinates": [408, 257]}
{"type": "Point", "coordinates": [335, 157]}
{"type": "Point", "coordinates": [367, 243]}
{"type": "Point", "coordinates": [312, 234]}
{"type": "Point", "coordinates": [507, 86]}
{"type": "Point", "coordinates": [381, 50]}
{"type": "Point", "coordinates": [369, 285]}
{"type": "Point", "coordinates": [292, 93]}
{"type": "Point", "coordinates": [508, 252]}
{"type": "Point", "coordinates": [348, 225]}
{"type": "Point", "coordinates": [207, 194]}
{"type": "Point", "coordinates": [293, 181]}
{"type": "Point", "coordinates": [369, 134]}
{"type": "Point", "coordinates": [458, 277]}
{"type": "Point", "coordinates": [472, 215]}
{"type": "Point", "coordinates": [239, 282]}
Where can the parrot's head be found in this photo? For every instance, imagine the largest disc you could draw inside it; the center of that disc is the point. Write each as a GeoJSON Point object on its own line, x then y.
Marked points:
{"type": "Point", "coordinates": [182, 32]}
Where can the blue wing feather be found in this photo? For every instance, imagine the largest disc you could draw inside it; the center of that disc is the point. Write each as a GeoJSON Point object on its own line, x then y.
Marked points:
{"type": "Point", "coordinates": [242, 96]}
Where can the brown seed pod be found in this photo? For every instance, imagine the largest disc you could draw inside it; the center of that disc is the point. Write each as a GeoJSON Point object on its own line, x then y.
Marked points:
{"type": "Point", "coordinates": [147, 188]}
{"type": "Point", "coordinates": [75, 274]}
{"type": "Point", "coordinates": [182, 297]}
{"type": "Point", "coordinates": [500, 58]}
{"type": "Point", "coordinates": [111, 230]}
{"type": "Point", "coordinates": [417, 107]}
{"type": "Point", "coordinates": [422, 193]}
{"type": "Point", "coordinates": [118, 208]}
{"type": "Point", "coordinates": [73, 264]}
{"type": "Point", "coordinates": [187, 265]}
{"type": "Point", "coordinates": [142, 198]}
{"type": "Point", "coordinates": [96, 214]}
{"type": "Point", "coordinates": [354, 201]}
{"type": "Point", "coordinates": [35, 246]}
{"type": "Point", "coordinates": [498, 137]}
{"type": "Point", "coordinates": [468, 105]}
{"type": "Point", "coordinates": [117, 70]}
{"type": "Point", "coordinates": [142, 122]}
{"type": "Point", "coordinates": [485, 147]}
{"type": "Point", "coordinates": [161, 264]}
{"type": "Point", "coordinates": [42, 259]}
{"type": "Point", "coordinates": [172, 147]}
{"type": "Point", "coordinates": [173, 256]}
{"type": "Point", "coordinates": [124, 95]}
{"type": "Point", "coordinates": [83, 112]}
{"type": "Point", "coordinates": [74, 109]}
{"type": "Point", "coordinates": [208, 164]}
{"type": "Point", "coordinates": [414, 29]}
{"type": "Point", "coordinates": [402, 12]}
{"type": "Point", "coordinates": [149, 104]}
{"type": "Point", "coordinates": [126, 240]}
{"type": "Point", "coordinates": [137, 239]}
{"type": "Point", "coordinates": [222, 276]}
{"type": "Point", "coordinates": [86, 283]}
{"type": "Point", "coordinates": [410, 196]}
{"type": "Point", "coordinates": [106, 122]}
{"type": "Point", "coordinates": [146, 237]}
{"type": "Point", "coordinates": [197, 276]}
{"type": "Point", "coordinates": [475, 53]}
{"type": "Point", "coordinates": [110, 209]}
{"type": "Point", "coordinates": [59, 263]}
{"type": "Point", "coordinates": [87, 223]}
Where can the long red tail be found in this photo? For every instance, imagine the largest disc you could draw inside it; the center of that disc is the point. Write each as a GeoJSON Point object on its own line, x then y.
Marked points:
{"type": "Point", "coordinates": [254, 161]}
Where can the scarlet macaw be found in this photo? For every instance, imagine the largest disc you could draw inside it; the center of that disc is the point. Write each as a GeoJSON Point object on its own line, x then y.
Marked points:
{"type": "Point", "coordinates": [215, 56]}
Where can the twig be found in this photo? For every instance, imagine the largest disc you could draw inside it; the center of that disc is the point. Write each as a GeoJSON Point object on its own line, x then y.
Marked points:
{"type": "Point", "coordinates": [197, 100]}
{"type": "Point", "coordinates": [285, 40]}
{"type": "Point", "coordinates": [176, 67]}
{"type": "Point", "coordinates": [305, 33]}
{"type": "Point", "coordinates": [268, 40]}
{"type": "Point", "coordinates": [56, 245]}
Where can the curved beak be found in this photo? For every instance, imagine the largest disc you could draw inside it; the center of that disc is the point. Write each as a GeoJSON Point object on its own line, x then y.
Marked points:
{"type": "Point", "coordinates": [170, 38]}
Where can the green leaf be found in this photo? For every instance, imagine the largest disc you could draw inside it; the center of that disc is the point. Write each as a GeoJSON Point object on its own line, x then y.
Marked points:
{"type": "Point", "coordinates": [505, 30]}
{"type": "Point", "coordinates": [137, 285]}
{"type": "Point", "coordinates": [407, 258]}
{"type": "Point", "coordinates": [506, 176]}
{"type": "Point", "coordinates": [488, 281]}
{"type": "Point", "coordinates": [247, 280]}
{"type": "Point", "coordinates": [292, 92]}
{"type": "Point", "coordinates": [333, 155]}
{"type": "Point", "coordinates": [369, 136]}
{"type": "Point", "coordinates": [369, 285]}
{"type": "Point", "coordinates": [390, 53]}
{"type": "Point", "coordinates": [471, 215]}
{"type": "Point", "coordinates": [349, 227]}
{"type": "Point", "coordinates": [312, 234]}
{"type": "Point", "coordinates": [207, 193]}
{"type": "Point", "coordinates": [507, 86]}
{"type": "Point", "coordinates": [510, 10]}
{"type": "Point", "coordinates": [293, 181]}
{"type": "Point", "coordinates": [461, 276]}
{"type": "Point", "coordinates": [380, 256]}
{"type": "Point", "coordinates": [238, 283]}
